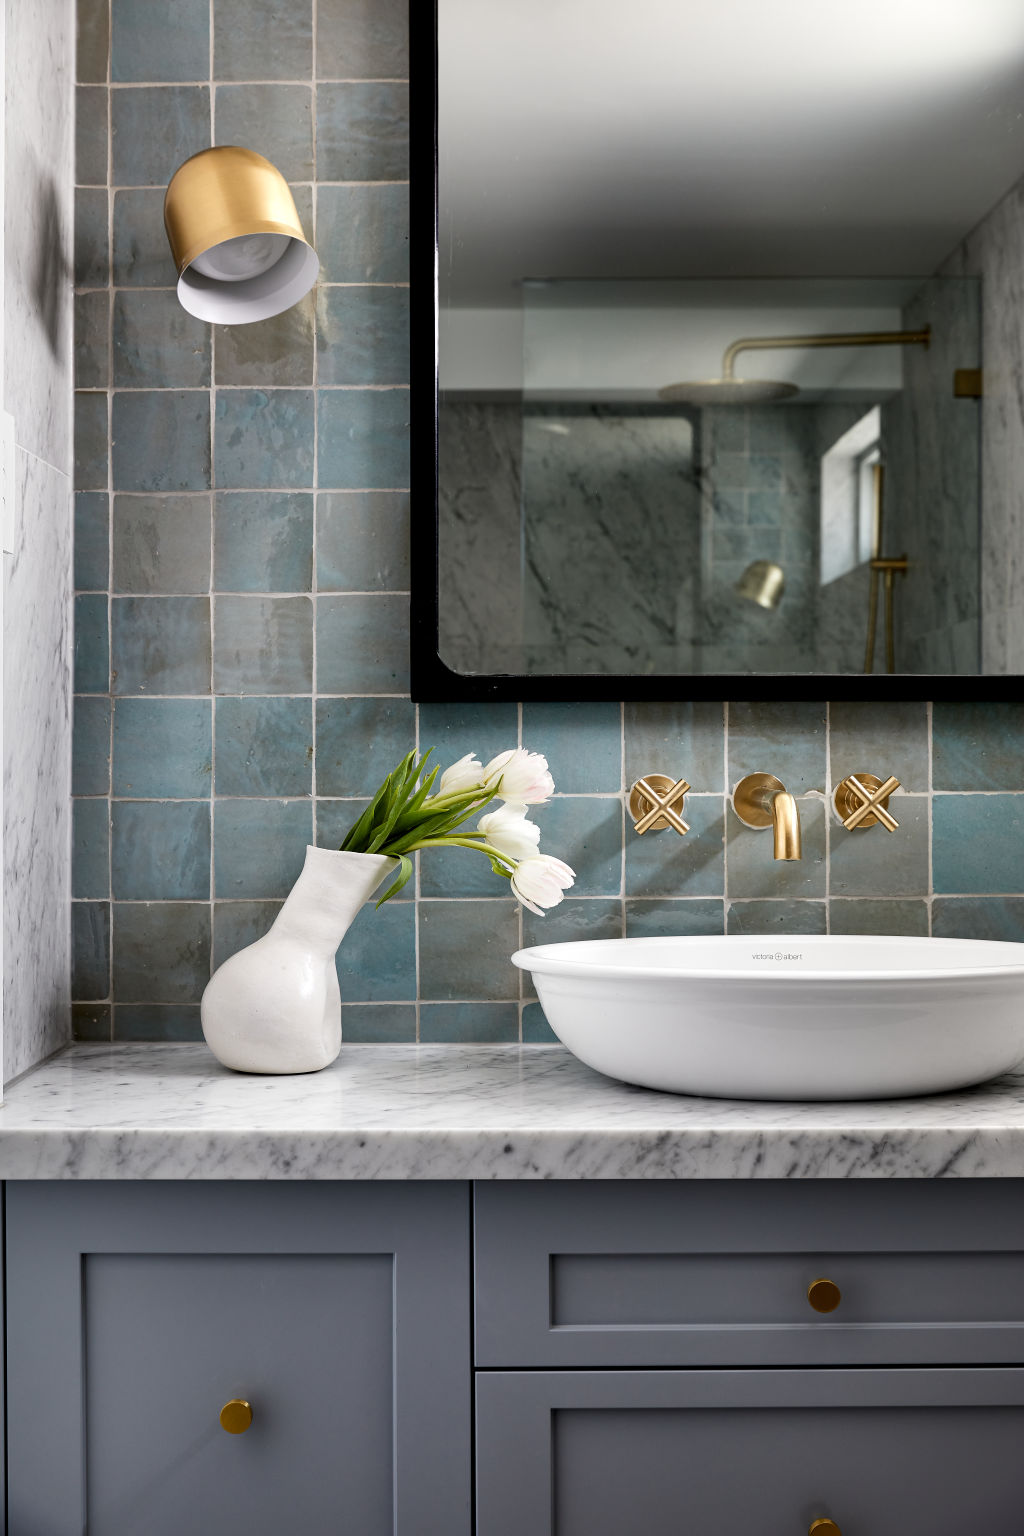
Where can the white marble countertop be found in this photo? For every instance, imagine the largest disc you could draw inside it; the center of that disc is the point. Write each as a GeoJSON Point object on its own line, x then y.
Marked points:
{"type": "Point", "coordinates": [468, 1112]}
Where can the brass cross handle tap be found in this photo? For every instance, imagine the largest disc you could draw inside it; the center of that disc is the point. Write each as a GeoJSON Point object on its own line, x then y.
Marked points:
{"type": "Point", "coordinates": [861, 800]}
{"type": "Point", "coordinates": [823, 1527]}
{"type": "Point", "coordinates": [651, 802]}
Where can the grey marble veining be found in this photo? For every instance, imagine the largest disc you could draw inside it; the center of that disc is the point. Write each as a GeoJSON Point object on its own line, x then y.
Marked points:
{"type": "Point", "coordinates": [37, 768]}
{"type": "Point", "coordinates": [468, 1112]}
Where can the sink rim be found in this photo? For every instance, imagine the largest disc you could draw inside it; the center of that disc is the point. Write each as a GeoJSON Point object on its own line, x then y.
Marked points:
{"type": "Point", "coordinates": [581, 957]}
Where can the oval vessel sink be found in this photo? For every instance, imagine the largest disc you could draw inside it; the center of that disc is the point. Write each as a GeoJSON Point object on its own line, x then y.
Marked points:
{"type": "Point", "coordinates": [808, 1017]}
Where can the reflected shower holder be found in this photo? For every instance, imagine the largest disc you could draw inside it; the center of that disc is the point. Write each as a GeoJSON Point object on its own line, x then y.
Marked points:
{"type": "Point", "coordinates": [861, 800]}
{"type": "Point", "coordinates": [651, 804]}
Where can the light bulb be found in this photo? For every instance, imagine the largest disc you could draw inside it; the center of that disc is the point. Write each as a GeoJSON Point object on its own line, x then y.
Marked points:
{"type": "Point", "coordinates": [245, 256]}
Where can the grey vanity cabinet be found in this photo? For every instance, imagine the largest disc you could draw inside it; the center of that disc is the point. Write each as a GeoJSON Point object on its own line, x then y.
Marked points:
{"type": "Point", "coordinates": [339, 1311]}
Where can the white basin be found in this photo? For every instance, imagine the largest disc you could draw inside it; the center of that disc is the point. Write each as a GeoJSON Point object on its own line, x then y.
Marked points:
{"type": "Point", "coordinates": [808, 1017]}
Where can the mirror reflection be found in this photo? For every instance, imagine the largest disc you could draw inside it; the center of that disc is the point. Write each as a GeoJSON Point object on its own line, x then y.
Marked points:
{"type": "Point", "coordinates": [712, 292]}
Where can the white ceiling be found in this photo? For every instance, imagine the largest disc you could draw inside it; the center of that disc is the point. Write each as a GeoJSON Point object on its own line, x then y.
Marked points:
{"type": "Point", "coordinates": [667, 138]}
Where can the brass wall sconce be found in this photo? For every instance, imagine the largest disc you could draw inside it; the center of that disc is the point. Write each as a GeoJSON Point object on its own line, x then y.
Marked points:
{"type": "Point", "coordinates": [651, 804]}
{"type": "Point", "coordinates": [763, 582]}
{"type": "Point", "coordinates": [236, 239]}
{"type": "Point", "coordinates": [861, 800]}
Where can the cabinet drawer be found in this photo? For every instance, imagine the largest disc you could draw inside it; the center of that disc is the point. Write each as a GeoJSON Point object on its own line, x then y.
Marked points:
{"type": "Point", "coordinates": [718, 1274]}
{"type": "Point", "coordinates": [880, 1453]}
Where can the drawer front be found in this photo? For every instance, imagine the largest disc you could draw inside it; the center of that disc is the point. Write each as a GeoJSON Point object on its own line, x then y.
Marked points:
{"type": "Point", "coordinates": [720, 1274]}
{"type": "Point", "coordinates": [880, 1453]}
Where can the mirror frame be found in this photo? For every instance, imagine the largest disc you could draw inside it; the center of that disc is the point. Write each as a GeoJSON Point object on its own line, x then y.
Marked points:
{"type": "Point", "coordinates": [431, 679]}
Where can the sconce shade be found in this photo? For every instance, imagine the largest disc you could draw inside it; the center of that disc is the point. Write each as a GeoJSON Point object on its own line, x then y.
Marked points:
{"type": "Point", "coordinates": [236, 239]}
{"type": "Point", "coordinates": [763, 582]}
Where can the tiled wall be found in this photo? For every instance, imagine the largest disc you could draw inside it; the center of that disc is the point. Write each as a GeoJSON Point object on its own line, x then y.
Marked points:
{"type": "Point", "coordinates": [242, 573]}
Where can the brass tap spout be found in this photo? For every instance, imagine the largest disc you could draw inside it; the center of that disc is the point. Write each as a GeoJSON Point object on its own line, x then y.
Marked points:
{"type": "Point", "coordinates": [762, 800]}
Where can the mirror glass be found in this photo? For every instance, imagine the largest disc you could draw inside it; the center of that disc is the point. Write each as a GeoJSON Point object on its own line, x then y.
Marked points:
{"type": "Point", "coordinates": [710, 335]}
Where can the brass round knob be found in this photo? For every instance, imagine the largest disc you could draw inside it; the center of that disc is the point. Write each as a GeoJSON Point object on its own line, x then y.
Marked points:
{"type": "Point", "coordinates": [824, 1296]}
{"type": "Point", "coordinates": [823, 1528]}
{"type": "Point", "coordinates": [236, 1416]}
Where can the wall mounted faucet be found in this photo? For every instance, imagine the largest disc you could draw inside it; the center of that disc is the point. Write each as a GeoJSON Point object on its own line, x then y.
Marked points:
{"type": "Point", "coordinates": [762, 800]}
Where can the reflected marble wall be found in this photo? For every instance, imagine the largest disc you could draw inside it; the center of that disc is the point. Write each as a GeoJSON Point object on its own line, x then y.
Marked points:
{"type": "Point", "coordinates": [39, 174]}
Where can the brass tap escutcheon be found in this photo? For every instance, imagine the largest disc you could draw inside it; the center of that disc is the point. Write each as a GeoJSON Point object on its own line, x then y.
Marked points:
{"type": "Point", "coordinates": [861, 800]}
{"type": "Point", "coordinates": [236, 1416]}
{"type": "Point", "coordinates": [823, 1527]}
{"type": "Point", "coordinates": [824, 1295]}
{"type": "Point", "coordinates": [651, 802]}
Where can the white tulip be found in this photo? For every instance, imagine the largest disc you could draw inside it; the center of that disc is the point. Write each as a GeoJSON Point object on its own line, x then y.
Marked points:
{"type": "Point", "coordinates": [524, 776]}
{"type": "Point", "coordinates": [508, 830]}
{"type": "Point", "coordinates": [540, 882]}
{"type": "Point", "coordinates": [467, 773]}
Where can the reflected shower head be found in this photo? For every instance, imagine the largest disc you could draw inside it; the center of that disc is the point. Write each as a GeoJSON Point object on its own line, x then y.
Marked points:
{"type": "Point", "coordinates": [727, 392]}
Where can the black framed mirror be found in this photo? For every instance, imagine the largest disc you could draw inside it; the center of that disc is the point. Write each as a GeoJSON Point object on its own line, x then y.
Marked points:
{"type": "Point", "coordinates": [709, 385]}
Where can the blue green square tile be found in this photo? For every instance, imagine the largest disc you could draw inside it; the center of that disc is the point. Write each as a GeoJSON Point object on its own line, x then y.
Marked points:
{"type": "Point", "coordinates": [764, 508]}
{"type": "Point", "coordinates": [237, 924]}
{"type": "Point", "coordinates": [899, 868]}
{"type": "Point", "coordinates": [363, 644]}
{"type": "Point", "coordinates": [376, 960]}
{"type": "Point", "coordinates": [364, 439]}
{"type": "Point", "coordinates": [92, 440]}
{"type": "Point", "coordinates": [92, 541]}
{"type": "Point", "coordinates": [752, 870]}
{"type": "Point", "coordinates": [160, 645]}
{"type": "Point", "coordinates": [359, 742]}
{"type": "Point", "coordinates": [585, 832]}
{"type": "Point", "coordinates": [264, 746]}
{"type": "Point", "coordinates": [157, 1021]}
{"type": "Point", "coordinates": [362, 541]}
{"type": "Point", "coordinates": [335, 819]}
{"type": "Point", "coordinates": [978, 844]}
{"type": "Point", "coordinates": [90, 849]}
{"type": "Point", "coordinates": [264, 437]}
{"type": "Point", "coordinates": [160, 850]}
{"type": "Point", "coordinates": [979, 917]}
{"type": "Point", "coordinates": [361, 41]}
{"type": "Point", "coordinates": [582, 743]}
{"type": "Point", "coordinates": [270, 352]}
{"type": "Point", "coordinates": [684, 741]}
{"type": "Point", "coordinates": [90, 950]}
{"type": "Point", "coordinates": [162, 440]}
{"type": "Point", "coordinates": [263, 541]}
{"type": "Point", "coordinates": [455, 730]}
{"type": "Point", "coordinates": [163, 749]}
{"type": "Point", "coordinates": [162, 544]}
{"type": "Point", "coordinates": [977, 746]}
{"type": "Point", "coordinates": [469, 1023]}
{"type": "Point", "coordinates": [363, 232]}
{"type": "Point", "coordinates": [378, 1023]}
{"type": "Point", "coordinates": [664, 864]}
{"type": "Point", "coordinates": [91, 1022]}
{"type": "Point", "coordinates": [149, 42]}
{"type": "Point", "coordinates": [141, 257]}
{"type": "Point", "coordinates": [774, 918]}
{"type": "Point", "coordinates": [362, 131]}
{"type": "Point", "coordinates": [870, 916]}
{"type": "Point", "coordinates": [666, 917]}
{"type": "Point", "coordinates": [459, 872]}
{"type": "Point", "coordinates": [93, 41]}
{"type": "Point", "coordinates": [464, 950]}
{"type": "Point", "coordinates": [277, 117]}
{"type": "Point", "coordinates": [161, 951]}
{"type": "Point", "coordinates": [786, 739]}
{"type": "Point", "coordinates": [157, 343]}
{"type": "Point", "coordinates": [92, 339]}
{"type": "Point", "coordinates": [92, 645]}
{"type": "Point", "coordinates": [263, 645]}
{"type": "Point", "coordinates": [154, 129]}
{"type": "Point", "coordinates": [260, 846]}
{"type": "Point", "coordinates": [536, 1029]}
{"type": "Point", "coordinates": [90, 755]}
{"type": "Point", "coordinates": [92, 244]}
{"type": "Point", "coordinates": [241, 30]}
{"type": "Point", "coordinates": [882, 738]}
{"type": "Point", "coordinates": [363, 335]}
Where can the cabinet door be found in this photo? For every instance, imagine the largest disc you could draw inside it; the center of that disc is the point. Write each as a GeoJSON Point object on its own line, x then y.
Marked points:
{"type": "Point", "coordinates": [339, 1312]}
{"type": "Point", "coordinates": [687, 1453]}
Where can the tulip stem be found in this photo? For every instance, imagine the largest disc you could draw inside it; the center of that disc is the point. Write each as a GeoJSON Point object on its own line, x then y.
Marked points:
{"type": "Point", "coordinates": [462, 842]}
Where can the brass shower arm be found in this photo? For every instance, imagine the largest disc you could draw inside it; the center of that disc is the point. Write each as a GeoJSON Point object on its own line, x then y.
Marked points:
{"type": "Point", "coordinates": [836, 339]}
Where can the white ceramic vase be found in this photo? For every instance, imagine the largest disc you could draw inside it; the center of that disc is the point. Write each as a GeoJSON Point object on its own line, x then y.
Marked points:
{"type": "Point", "coordinates": [275, 1006]}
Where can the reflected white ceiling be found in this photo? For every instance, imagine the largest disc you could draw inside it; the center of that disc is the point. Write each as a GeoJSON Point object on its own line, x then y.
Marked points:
{"type": "Point", "coordinates": [662, 138]}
